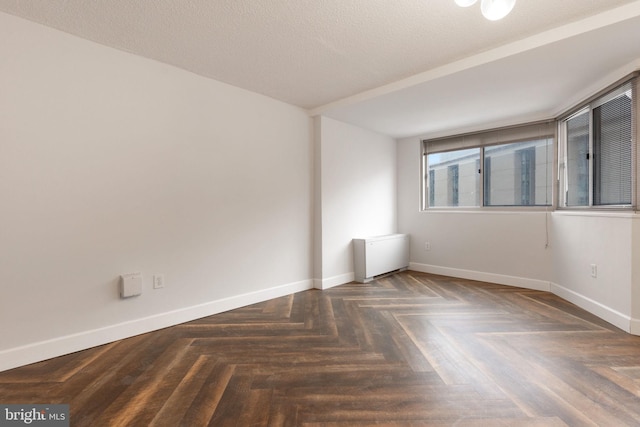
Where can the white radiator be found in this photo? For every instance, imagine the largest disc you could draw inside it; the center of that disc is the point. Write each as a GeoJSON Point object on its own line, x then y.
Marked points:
{"type": "Point", "coordinates": [374, 256]}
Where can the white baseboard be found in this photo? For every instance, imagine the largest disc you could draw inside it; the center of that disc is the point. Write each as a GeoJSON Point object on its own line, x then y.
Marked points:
{"type": "Point", "coordinates": [500, 279]}
{"type": "Point", "coordinates": [331, 282]}
{"type": "Point", "coordinates": [608, 314]}
{"type": "Point", "coordinates": [620, 320]}
{"type": "Point", "coordinates": [39, 351]}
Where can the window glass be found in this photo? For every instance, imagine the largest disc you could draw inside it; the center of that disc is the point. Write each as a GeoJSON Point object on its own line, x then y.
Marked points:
{"type": "Point", "coordinates": [453, 178]}
{"type": "Point", "coordinates": [577, 130]}
{"type": "Point", "coordinates": [518, 174]}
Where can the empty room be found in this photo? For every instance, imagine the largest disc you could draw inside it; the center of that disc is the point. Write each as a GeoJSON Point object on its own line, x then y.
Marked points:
{"type": "Point", "coordinates": [319, 213]}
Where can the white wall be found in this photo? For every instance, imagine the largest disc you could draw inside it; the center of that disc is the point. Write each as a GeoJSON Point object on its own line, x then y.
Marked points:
{"type": "Point", "coordinates": [110, 164]}
{"type": "Point", "coordinates": [606, 240]}
{"type": "Point", "coordinates": [357, 193]}
{"type": "Point", "coordinates": [498, 246]}
{"type": "Point", "coordinates": [635, 278]}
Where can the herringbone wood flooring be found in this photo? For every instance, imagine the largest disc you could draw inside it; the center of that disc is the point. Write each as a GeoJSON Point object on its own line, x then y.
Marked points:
{"type": "Point", "coordinates": [409, 349]}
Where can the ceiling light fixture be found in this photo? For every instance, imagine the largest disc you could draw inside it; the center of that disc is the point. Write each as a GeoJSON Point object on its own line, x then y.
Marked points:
{"type": "Point", "coordinates": [491, 9]}
{"type": "Point", "coordinates": [465, 3]}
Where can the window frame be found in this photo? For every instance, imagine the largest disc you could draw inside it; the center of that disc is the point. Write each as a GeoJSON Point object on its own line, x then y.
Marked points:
{"type": "Point", "coordinates": [602, 97]}
{"type": "Point", "coordinates": [486, 139]}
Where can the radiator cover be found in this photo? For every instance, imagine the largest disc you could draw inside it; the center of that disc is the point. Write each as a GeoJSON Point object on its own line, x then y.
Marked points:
{"type": "Point", "coordinates": [374, 256]}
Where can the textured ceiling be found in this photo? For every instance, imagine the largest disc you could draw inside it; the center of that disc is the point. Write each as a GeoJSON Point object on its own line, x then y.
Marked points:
{"type": "Point", "coordinates": [310, 53]}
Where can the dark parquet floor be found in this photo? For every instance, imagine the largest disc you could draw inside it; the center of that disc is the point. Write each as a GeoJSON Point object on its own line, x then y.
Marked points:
{"type": "Point", "coordinates": [411, 349]}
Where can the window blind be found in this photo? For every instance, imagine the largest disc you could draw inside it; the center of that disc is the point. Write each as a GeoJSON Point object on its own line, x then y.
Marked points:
{"type": "Point", "coordinates": [505, 135]}
{"type": "Point", "coordinates": [612, 141]}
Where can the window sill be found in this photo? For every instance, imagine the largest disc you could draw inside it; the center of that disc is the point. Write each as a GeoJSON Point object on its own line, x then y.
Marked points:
{"type": "Point", "coordinates": [492, 210]}
{"type": "Point", "coordinates": [600, 213]}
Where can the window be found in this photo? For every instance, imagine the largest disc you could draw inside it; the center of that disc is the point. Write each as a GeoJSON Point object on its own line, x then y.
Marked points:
{"type": "Point", "coordinates": [505, 167]}
{"type": "Point", "coordinates": [597, 148]}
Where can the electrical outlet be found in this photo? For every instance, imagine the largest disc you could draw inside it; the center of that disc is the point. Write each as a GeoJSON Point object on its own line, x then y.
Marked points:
{"type": "Point", "coordinates": [427, 246]}
{"type": "Point", "coordinates": [594, 270]}
{"type": "Point", "coordinates": [158, 281]}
